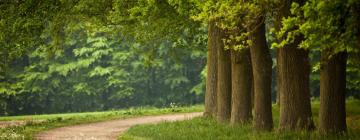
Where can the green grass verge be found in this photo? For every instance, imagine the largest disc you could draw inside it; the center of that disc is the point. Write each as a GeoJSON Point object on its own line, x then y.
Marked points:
{"type": "Point", "coordinates": [208, 129]}
{"type": "Point", "coordinates": [28, 130]}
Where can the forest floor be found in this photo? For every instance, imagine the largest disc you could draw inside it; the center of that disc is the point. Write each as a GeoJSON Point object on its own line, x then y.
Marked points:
{"type": "Point", "coordinates": [108, 130]}
{"type": "Point", "coordinates": [27, 127]}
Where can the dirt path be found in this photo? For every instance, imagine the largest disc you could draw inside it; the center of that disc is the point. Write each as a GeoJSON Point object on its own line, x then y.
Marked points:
{"type": "Point", "coordinates": [107, 130]}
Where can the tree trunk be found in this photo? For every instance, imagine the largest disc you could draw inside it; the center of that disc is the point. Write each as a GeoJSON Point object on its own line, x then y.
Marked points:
{"type": "Point", "coordinates": [278, 79]}
{"type": "Point", "coordinates": [294, 70]}
{"type": "Point", "coordinates": [224, 84]}
{"type": "Point", "coordinates": [332, 92]}
{"type": "Point", "coordinates": [241, 86]}
{"type": "Point", "coordinates": [214, 41]}
{"type": "Point", "coordinates": [252, 90]}
{"type": "Point", "coordinates": [261, 64]}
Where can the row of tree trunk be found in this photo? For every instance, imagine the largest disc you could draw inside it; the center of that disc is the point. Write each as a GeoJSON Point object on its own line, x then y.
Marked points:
{"type": "Point", "coordinates": [234, 75]}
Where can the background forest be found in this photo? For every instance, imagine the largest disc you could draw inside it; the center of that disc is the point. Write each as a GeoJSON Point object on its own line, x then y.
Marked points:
{"type": "Point", "coordinates": [103, 69]}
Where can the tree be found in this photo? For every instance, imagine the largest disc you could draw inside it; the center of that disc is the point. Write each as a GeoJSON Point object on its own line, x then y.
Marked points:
{"type": "Point", "coordinates": [224, 81]}
{"type": "Point", "coordinates": [330, 28]}
{"type": "Point", "coordinates": [261, 64]}
{"type": "Point", "coordinates": [21, 27]}
{"type": "Point", "coordinates": [214, 41]}
{"type": "Point", "coordinates": [250, 16]}
{"type": "Point", "coordinates": [332, 92]}
{"type": "Point", "coordinates": [208, 11]}
{"type": "Point", "coordinates": [293, 80]}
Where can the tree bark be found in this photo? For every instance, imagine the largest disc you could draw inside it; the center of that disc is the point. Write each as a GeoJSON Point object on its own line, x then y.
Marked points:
{"type": "Point", "coordinates": [214, 41]}
{"type": "Point", "coordinates": [252, 90]}
{"type": "Point", "coordinates": [294, 70]}
{"type": "Point", "coordinates": [261, 64]}
{"type": "Point", "coordinates": [241, 86]}
{"type": "Point", "coordinates": [332, 112]}
{"type": "Point", "coordinates": [224, 83]}
{"type": "Point", "coordinates": [278, 79]}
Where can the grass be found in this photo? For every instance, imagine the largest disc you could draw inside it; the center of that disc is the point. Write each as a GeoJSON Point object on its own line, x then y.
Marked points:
{"type": "Point", "coordinates": [37, 123]}
{"type": "Point", "coordinates": [208, 129]}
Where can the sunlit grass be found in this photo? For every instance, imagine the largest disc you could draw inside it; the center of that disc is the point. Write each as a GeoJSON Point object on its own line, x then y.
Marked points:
{"type": "Point", "coordinates": [208, 129]}
{"type": "Point", "coordinates": [133, 111]}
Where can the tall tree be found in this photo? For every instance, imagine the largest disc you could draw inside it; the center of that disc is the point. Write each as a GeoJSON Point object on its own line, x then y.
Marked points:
{"type": "Point", "coordinates": [333, 65]}
{"type": "Point", "coordinates": [332, 92]}
{"type": "Point", "coordinates": [252, 20]}
{"type": "Point", "coordinates": [224, 81]}
{"type": "Point", "coordinates": [262, 71]}
{"type": "Point", "coordinates": [332, 28]}
{"type": "Point", "coordinates": [293, 80]}
{"type": "Point", "coordinates": [214, 41]}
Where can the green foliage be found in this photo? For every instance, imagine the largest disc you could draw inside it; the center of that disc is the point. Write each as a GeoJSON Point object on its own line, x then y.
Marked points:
{"type": "Point", "coordinates": [154, 21]}
{"type": "Point", "coordinates": [199, 88]}
{"type": "Point", "coordinates": [238, 18]}
{"type": "Point", "coordinates": [353, 71]}
{"type": "Point", "coordinates": [325, 25]}
{"type": "Point", "coordinates": [97, 67]}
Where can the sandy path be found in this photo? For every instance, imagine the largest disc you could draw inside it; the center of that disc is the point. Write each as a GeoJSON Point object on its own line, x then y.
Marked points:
{"type": "Point", "coordinates": [107, 130]}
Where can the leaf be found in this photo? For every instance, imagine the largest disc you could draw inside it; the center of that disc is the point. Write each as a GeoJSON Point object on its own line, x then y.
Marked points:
{"type": "Point", "coordinates": [100, 71]}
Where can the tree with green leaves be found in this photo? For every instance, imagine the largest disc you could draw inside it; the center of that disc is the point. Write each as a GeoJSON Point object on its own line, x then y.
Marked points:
{"type": "Point", "coordinates": [261, 63]}
{"type": "Point", "coordinates": [293, 78]}
{"type": "Point", "coordinates": [237, 19]}
{"type": "Point", "coordinates": [332, 29]}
